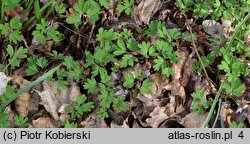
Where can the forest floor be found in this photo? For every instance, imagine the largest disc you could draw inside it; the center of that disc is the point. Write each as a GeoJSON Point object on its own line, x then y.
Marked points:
{"type": "Point", "coordinates": [125, 63]}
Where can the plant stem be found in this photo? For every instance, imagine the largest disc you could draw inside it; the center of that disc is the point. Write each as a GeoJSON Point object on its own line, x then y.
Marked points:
{"type": "Point", "coordinates": [213, 105]}
{"type": "Point", "coordinates": [217, 115]}
{"type": "Point", "coordinates": [237, 30]}
{"type": "Point", "coordinates": [37, 81]}
{"type": "Point", "coordinates": [2, 11]}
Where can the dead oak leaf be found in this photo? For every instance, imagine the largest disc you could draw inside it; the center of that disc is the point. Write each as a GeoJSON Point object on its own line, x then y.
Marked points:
{"type": "Point", "coordinates": [147, 8]}
{"type": "Point", "coordinates": [53, 97]}
{"type": "Point", "coordinates": [193, 120]}
{"type": "Point", "coordinates": [43, 122]}
{"type": "Point", "coordinates": [157, 116]}
{"type": "Point", "coordinates": [174, 86]}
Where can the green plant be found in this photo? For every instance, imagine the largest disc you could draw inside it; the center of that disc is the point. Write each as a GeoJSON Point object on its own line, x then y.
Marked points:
{"type": "Point", "coordinates": [20, 121]}
{"type": "Point", "coordinates": [145, 88]}
{"type": "Point", "coordinates": [88, 7]}
{"type": "Point", "coordinates": [199, 103]}
{"type": "Point", "coordinates": [37, 81]}
{"type": "Point", "coordinates": [12, 30]}
{"type": "Point", "coordinates": [15, 56]}
{"type": "Point", "coordinates": [4, 120]}
{"type": "Point", "coordinates": [129, 80]}
{"type": "Point", "coordinates": [126, 6]}
{"type": "Point", "coordinates": [79, 107]}
{"type": "Point", "coordinates": [235, 125]}
{"type": "Point", "coordinates": [67, 124]}
{"type": "Point", "coordinates": [34, 63]}
{"type": "Point", "coordinates": [43, 29]}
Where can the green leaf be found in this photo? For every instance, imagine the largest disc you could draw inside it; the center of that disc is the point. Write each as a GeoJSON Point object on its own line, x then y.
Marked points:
{"type": "Point", "coordinates": [128, 60]}
{"type": "Point", "coordinates": [10, 4]}
{"type": "Point", "coordinates": [128, 80]}
{"type": "Point", "coordinates": [38, 35]}
{"type": "Point", "coordinates": [90, 85]}
{"type": "Point", "coordinates": [15, 24]}
{"type": "Point", "coordinates": [42, 62]}
{"type": "Point", "coordinates": [104, 3]}
{"type": "Point", "coordinates": [74, 19]}
{"type": "Point", "coordinates": [31, 70]}
{"type": "Point", "coordinates": [26, 88]}
{"type": "Point", "coordinates": [60, 8]}
{"type": "Point", "coordinates": [10, 50]}
{"type": "Point", "coordinates": [119, 104]}
{"type": "Point", "coordinates": [224, 66]}
{"type": "Point", "coordinates": [15, 59]}
{"type": "Point", "coordinates": [5, 29]}
{"type": "Point", "coordinates": [92, 9]}
{"type": "Point", "coordinates": [4, 120]}
{"type": "Point", "coordinates": [144, 47]}
{"type": "Point", "coordinates": [126, 7]}
{"type": "Point", "coordinates": [159, 63]}
{"type": "Point", "coordinates": [145, 88]}
{"type": "Point", "coordinates": [167, 71]}
{"type": "Point", "coordinates": [105, 78]}
{"type": "Point", "coordinates": [16, 36]}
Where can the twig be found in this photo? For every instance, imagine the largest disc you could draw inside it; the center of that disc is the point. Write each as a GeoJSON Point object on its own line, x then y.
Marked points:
{"type": "Point", "coordinates": [198, 55]}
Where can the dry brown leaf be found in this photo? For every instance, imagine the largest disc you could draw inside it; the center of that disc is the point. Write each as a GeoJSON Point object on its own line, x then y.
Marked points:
{"type": "Point", "coordinates": [159, 81]}
{"type": "Point", "coordinates": [74, 91]}
{"type": "Point", "coordinates": [193, 120]}
{"type": "Point", "coordinates": [157, 116]}
{"type": "Point", "coordinates": [22, 104]}
{"type": "Point", "coordinates": [92, 121]}
{"type": "Point", "coordinates": [50, 98]}
{"type": "Point", "coordinates": [187, 70]}
{"type": "Point", "coordinates": [54, 97]}
{"type": "Point", "coordinates": [147, 8]}
{"type": "Point", "coordinates": [43, 122]}
{"type": "Point", "coordinates": [213, 28]}
{"type": "Point", "coordinates": [174, 86]}
{"type": "Point", "coordinates": [124, 125]}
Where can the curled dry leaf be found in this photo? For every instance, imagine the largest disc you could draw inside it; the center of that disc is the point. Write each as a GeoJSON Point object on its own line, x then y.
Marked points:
{"type": "Point", "coordinates": [43, 122]}
{"type": "Point", "coordinates": [21, 103]}
{"type": "Point", "coordinates": [157, 116]}
{"type": "Point", "coordinates": [174, 86]}
{"type": "Point", "coordinates": [3, 82]}
{"type": "Point", "coordinates": [213, 28]}
{"type": "Point", "coordinates": [147, 8]}
{"type": "Point", "coordinates": [53, 97]}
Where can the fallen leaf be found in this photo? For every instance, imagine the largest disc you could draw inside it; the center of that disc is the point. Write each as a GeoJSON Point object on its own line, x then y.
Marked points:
{"type": "Point", "coordinates": [213, 28]}
{"type": "Point", "coordinates": [157, 116]}
{"type": "Point", "coordinates": [92, 121]}
{"type": "Point", "coordinates": [22, 104]}
{"type": "Point", "coordinates": [193, 120]}
{"type": "Point", "coordinates": [147, 8]}
{"type": "Point", "coordinates": [174, 86]}
{"type": "Point", "coordinates": [53, 97]}
{"type": "Point", "coordinates": [3, 82]}
{"type": "Point", "coordinates": [43, 122]}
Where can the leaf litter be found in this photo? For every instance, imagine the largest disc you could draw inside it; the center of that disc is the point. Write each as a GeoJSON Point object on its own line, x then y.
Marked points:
{"type": "Point", "coordinates": [168, 104]}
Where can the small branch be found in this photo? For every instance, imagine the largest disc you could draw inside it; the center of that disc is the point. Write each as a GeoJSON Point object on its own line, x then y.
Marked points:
{"type": "Point", "coordinates": [198, 55]}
